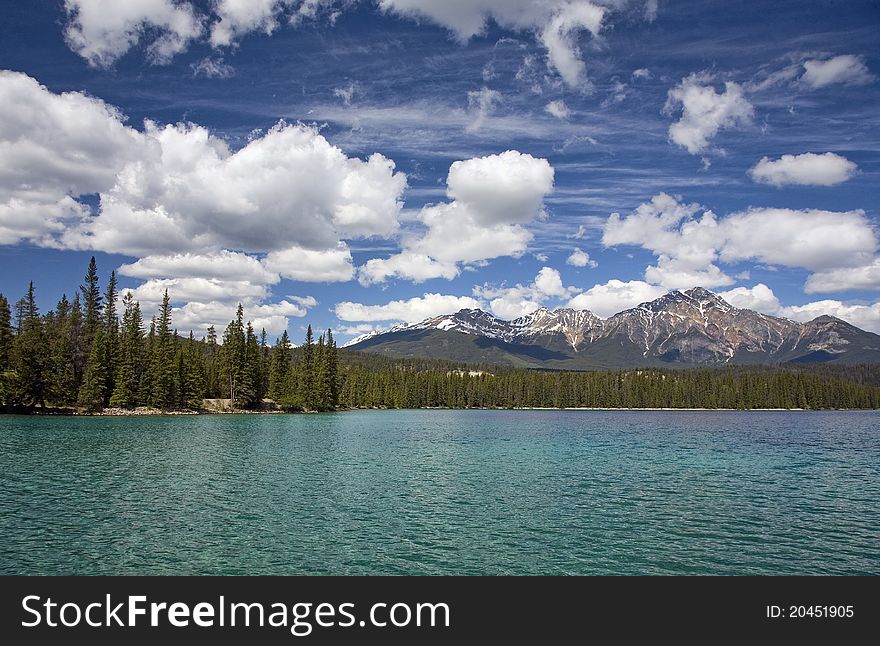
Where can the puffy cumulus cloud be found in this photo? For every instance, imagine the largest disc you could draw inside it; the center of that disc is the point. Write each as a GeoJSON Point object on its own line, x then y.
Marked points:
{"type": "Point", "coordinates": [236, 18]}
{"type": "Point", "coordinates": [481, 103]}
{"type": "Point", "coordinates": [559, 36]}
{"type": "Point", "coordinates": [178, 187]}
{"type": "Point", "coordinates": [492, 198]}
{"type": "Point", "coordinates": [705, 111]}
{"type": "Point", "coordinates": [513, 302]}
{"type": "Point", "coordinates": [808, 169]}
{"type": "Point", "coordinates": [866, 317]}
{"type": "Point", "coordinates": [843, 279]}
{"type": "Point", "coordinates": [416, 267]}
{"type": "Point", "coordinates": [558, 109]}
{"type": "Point", "coordinates": [762, 299]}
{"type": "Point", "coordinates": [609, 298]}
{"type": "Point", "coordinates": [412, 310]}
{"type": "Point", "coordinates": [759, 298]}
{"type": "Point", "coordinates": [312, 265]}
{"type": "Point", "coordinates": [501, 189]}
{"type": "Point", "coordinates": [683, 272]}
{"type": "Point", "coordinates": [53, 148]}
{"type": "Point", "coordinates": [557, 23]}
{"type": "Point", "coordinates": [202, 290]}
{"type": "Point", "coordinates": [222, 265]}
{"type": "Point", "coordinates": [688, 246]}
{"type": "Point", "coordinates": [846, 69]}
{"type": "Point", "coordinates": [103, 30]}
{"type": "Point", "coordinates": [579, 258]}
{"type": "Point", "coordinates": [272, 317]}
{"type": "Point", "coordinates": [177, 197]}
{"type": "Point", "coordinates": [192, 191]}
{"type": "Point", "coordinates": [813, 239]}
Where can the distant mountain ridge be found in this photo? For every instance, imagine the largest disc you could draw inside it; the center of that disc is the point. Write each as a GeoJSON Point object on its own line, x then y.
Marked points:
{"type": "Point", "coordinates": [694, 327]}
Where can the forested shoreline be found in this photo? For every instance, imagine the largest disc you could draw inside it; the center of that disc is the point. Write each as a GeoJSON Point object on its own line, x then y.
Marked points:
{"type": "Point", "coordinates": [83, 357]}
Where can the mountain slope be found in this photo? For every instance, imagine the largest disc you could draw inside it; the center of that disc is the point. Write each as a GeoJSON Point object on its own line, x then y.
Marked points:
{"type": "Point", "coordinates": [695, 327]}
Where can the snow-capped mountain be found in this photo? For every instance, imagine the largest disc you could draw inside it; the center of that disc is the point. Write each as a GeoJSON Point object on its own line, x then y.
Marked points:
{"type": "Point", "coordinates": [694, 327]}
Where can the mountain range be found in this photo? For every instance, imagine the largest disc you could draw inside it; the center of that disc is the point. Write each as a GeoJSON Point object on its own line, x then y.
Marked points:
{"type": "Point", "coordinates": [693, 327]}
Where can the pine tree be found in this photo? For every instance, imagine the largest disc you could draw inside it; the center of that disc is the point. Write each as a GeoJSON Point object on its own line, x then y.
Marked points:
{"type": "Point", "coordinates": [306, 369]}
{"type": "Point", "coordinates": [62, 388]}
{"type": "Point", "coordinates": [234, 362]}
{"type": "Point", "coordinates": [321, 395]}
{"type": "Point", "coordinates": [212, 378]}
{"type": "Point", "coordinates": [5, 334]}
{"type": "Point", "coordinates": [131, 353]}
{"type": "Point", "coordinates": [195, 375]}
{"type": "Point", "coordinates": [91, 303]}
{"type": "Point", "coordinates": [145, 391]}
{"type": "Point", "coordinates": [30, 353]}
{"type": "Point", "coordinates": [162, 367]}
{"type": "Point", "coordinates": [332, 372]}
{"type": "Point", "coordinates": [111, 337]}
{"type": "Point", "coordinates": [279, 368]}
{"type": "Point", "coordinates": [91, 394]}
{"type": "Point", "coordinates": [249, 391]}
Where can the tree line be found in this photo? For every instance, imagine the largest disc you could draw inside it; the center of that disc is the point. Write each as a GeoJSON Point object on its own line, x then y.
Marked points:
{"type": "Point", "coordinates": [82, 355]}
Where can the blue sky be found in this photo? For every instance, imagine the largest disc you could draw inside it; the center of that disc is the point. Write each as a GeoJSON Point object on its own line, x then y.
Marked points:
{"type": "Point", "coordinates": [738, 145]}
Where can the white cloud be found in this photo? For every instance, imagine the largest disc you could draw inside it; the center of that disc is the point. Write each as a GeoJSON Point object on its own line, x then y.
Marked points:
{"type": "Point", "coordinates": [312, 265]}
{"type": "Point", "coordinates": [866, 317]}
{"type": "Point", "coordinates": [558, 109]}
{"type": "Point", "coordinates": [615, 296]}
{"type": "Point", "coordinates": [346, 93]}
{"type": "Point", "coordinates": [272, 317]}
{"type": "Point", "coordinates": [557, 24]}
{"type": "Point", "coordinates": [808, 169]}
{"type": "Point", "coordinates": [846, 69]}
{"type": "Point", "coordinates": [687, 246]}
{"type": "Point", "coordinates": [704, 111]}
{"type": "Point", "coordinates": [481, 103]}
{"type": "Point", "coordinates": [842, 279]}
{"type": "Point", "coordinates": [191, 192]}
{"type": "Point", "coordinates": [235, 18]}
{"type": "Point", "coordinates": [201, 290]}
{"type": "Point", "coordinates": [513, 302]}
{"type": "Point", "coordinates": [416, 267]}
{"type": "Point", "coordinates": [579, 258]}
{"type": "Point", "coordinates": [642, 73]}
{"type": "Point", "coordinates": [55, 147]}
{"type": "Point", "coordinates": [559, 37]}
{"type": "Point", "coordinates": [223, 265]}
{"type": "Point", "coordinates": [412, 310]}
{"type": "Point", "coordinates": [759, 298]}
{"type": "Point", "coordinates": [508, 188]}
{"type": "Point", "coordinates": [103, 30]}
{"type": "Point", "coordinates": [762, 299]}
{"type": "Point", "coordinates": [492, 198]}
{"type": "Point", "coordinates": [213, 68]}
{"type": "Point", "coordinates": [178, 198]}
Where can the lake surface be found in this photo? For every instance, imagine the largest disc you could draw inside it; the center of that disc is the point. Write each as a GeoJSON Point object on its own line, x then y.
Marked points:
{"type": "Point", "coordinates": [443, 492]}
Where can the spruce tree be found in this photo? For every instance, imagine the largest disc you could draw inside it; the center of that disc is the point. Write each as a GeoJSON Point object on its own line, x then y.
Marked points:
{"type": "Point", "coordinates": [234, 362]}
{"type": "Point", "coordinates": [91, 303]}
{"type": "Point", "coordinates": [30, 353]}
{"type": "Point", "coordinates": [62, 388]}
{"type": "Point", "coordinates": [5, 334]}
{"type": "Point", "coordinates": [306, 369]}
{"type": "Point", "coordinates": [111, 337]}
{"type": "Point", "coordinates": [279, 368]}
{"type": "Point", "coordinates": [195, 375]}
{"type": "Point", "coordinates": [131, 353]}
{"type": "Point", "coordinates": [91, 394]}
{"type": "Point", "coordinates": [254, 363]}
{"type": "Point", "coordinates": [332, 371]}
{"type": "Point", "coordinates": [162, 367]}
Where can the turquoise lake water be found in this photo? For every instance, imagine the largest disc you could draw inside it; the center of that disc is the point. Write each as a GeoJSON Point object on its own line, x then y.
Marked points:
{"type": "Point", "coordinates": [443, 492]}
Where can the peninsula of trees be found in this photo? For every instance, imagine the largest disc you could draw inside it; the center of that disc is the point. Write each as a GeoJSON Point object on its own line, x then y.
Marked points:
{"type": "Point", "coordinates": [82, 356]}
